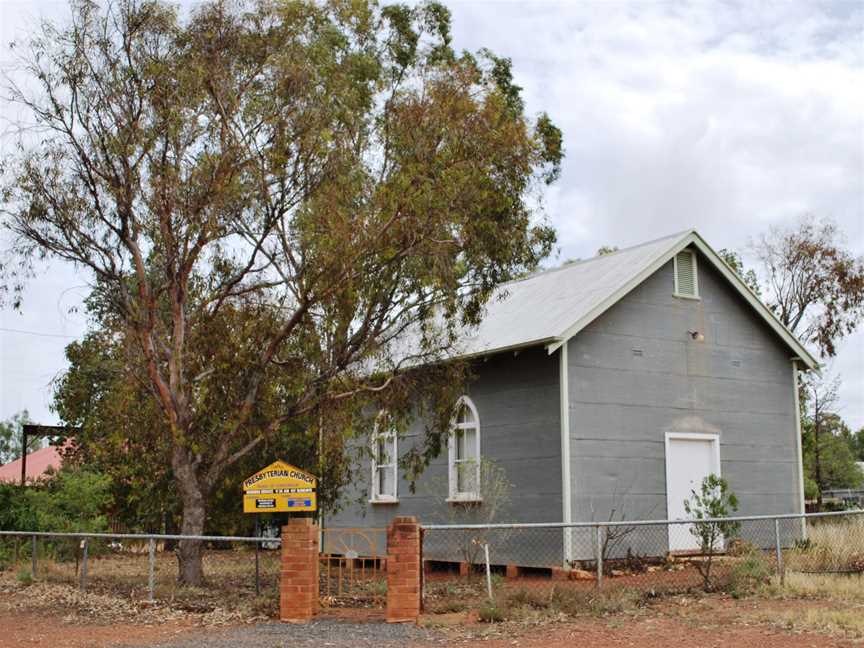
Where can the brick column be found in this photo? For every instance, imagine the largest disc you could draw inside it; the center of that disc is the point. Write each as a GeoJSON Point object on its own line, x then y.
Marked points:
{"type": "Point", "coordinates": [404, 548]}
{"type": "Point", "coordinates": [298, 587]}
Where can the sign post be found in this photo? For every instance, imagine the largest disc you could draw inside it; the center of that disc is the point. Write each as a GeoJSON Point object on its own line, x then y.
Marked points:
{"type": "Point", "coordinates": [280, 488]}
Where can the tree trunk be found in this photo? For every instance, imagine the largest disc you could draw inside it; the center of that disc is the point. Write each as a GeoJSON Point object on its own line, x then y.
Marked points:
{"type": "Point", "coordinates": [193, 499]}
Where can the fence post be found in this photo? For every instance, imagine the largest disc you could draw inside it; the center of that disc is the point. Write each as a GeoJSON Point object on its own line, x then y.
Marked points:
{"type": "Point", "coordinates": [298, 586]}
{"type": "Point", "coordinates": [151, 570]}
{"type": "Point", "coordinates": [404, 570]}
{"type": "Point", "coordinates": [83, 583]}
{"type": "Point", "coordinates": [778, 549]}
{"type": "Point", "coordinates": [33, 556]}
{"type": "Point", "coordinates": [599, 542]}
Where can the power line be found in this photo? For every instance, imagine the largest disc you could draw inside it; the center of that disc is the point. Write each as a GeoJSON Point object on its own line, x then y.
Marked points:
{"type": "Point", "coordinates": [36, 333]}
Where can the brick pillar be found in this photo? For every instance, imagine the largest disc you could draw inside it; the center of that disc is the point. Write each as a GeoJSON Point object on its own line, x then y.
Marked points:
{"type": "Point", "coordinates": [404, 547]}
{"type": "Point", "coordinates": [298, 588]}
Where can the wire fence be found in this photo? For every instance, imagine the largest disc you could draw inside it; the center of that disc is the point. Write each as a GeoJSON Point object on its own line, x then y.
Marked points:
{"type": "Point", "coordinates": [145, 567]}
{"type": "Point", "coordinates": [649, 556]}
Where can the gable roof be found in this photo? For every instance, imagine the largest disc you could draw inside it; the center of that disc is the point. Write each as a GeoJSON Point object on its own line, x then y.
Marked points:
{"type": "Point", "coordinates": [38, 464]}
{"type": "Point", "coordinates": [551, 307]}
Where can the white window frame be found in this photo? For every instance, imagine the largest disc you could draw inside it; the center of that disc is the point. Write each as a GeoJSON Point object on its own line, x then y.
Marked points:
{"type": "Point", "coordinates": [676, 292]}
{"type": "Point", "coordinates": [455, 494]}
{"type": "Point", "coordinates": [388, 434]}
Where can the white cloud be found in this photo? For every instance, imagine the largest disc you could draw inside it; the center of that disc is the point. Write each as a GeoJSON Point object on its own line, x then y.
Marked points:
{"type": "Point", "coordinates": [724, 116]}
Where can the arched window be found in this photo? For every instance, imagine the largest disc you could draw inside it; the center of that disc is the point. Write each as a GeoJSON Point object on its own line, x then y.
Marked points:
{"type": "Point", "coordinates": [464, 452]}
{"type": "Point", "coordinates": [384, 461]}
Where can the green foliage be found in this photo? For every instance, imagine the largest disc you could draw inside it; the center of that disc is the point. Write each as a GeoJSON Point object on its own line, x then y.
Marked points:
{"type": "Point", "coordinates": [491, 613]}
{"type": "Point", "coordinates": [747, 275]}
{"type": "Point", "coordinates": [713, 500]}
{"type": "Point", "coordinates": [72, 500]}
{"type": "Point", "coordinates": [11, 437]}
{"type": "Point", "coordinates": [24, 577]}
{"type": "Point", "coordinates": [750, 571]}
{"type": "Point", "coordinates": [837, 462]}
{"type": "Point", "coordinates": [304, 185]}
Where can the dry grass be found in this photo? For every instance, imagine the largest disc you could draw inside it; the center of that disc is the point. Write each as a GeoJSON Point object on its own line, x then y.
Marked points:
{"type": "Point", "coordinates": [847, 621]}
{"type": "Point", "coordinates": [838, 587]}
{"type": "Point", "coordinates": [831, 546]}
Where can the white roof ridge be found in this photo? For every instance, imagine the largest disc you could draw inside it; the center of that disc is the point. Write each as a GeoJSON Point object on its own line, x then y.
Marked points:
{"type": "Point", "coordinates": [597, 257]}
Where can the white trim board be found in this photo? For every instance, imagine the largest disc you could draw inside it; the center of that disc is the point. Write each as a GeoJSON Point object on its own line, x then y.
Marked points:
{"type": "Point", "coordinates": [566, 483]}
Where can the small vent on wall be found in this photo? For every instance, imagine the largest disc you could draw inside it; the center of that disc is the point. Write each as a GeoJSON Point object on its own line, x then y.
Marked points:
{"type": "Point", "coordinates": [736, 363]}
{"type": "Point", "coordinates": [638, 353]}
{"type": "Point", "coordinates": [685, 274]}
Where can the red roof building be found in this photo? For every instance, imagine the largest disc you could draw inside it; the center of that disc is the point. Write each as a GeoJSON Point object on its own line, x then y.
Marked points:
{"type": "Point", "coordinates": [38, 465]}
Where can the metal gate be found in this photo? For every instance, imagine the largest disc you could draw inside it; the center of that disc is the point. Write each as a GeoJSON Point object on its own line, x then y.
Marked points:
{"type": "Point", "coordinates": [352, 567]}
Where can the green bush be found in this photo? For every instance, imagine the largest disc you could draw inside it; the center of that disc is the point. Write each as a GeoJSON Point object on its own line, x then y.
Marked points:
{"type": "Point", "coordinates": [491, 613]}
{"type": "Point", "coordinates": [25, 577]}
{"type": "Point", "coordinates": [749, 572]}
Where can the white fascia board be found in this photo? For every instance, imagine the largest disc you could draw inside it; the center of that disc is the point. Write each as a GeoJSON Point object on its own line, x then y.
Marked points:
{"type": "Point", "coordinates": [693, 238]}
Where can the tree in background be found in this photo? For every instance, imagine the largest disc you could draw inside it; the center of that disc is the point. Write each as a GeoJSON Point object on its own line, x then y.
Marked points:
{"type": "Point", "coordinates": [281, 207]}
{"type": "Point", "coordinates": [748, 275]}
{"type": "Point", "coordinates": [11, 436]}
{"type": "Point", "coordinates": [813, 283]}
{"type": "Point", "coordinates": [829, 460]}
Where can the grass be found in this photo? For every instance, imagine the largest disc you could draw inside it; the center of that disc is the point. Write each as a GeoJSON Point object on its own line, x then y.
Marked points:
{"type": "Point", "coordinates": [838, 587]}
{"type": "Point", "coordinates": [847, 622]}
{"type": "Point", "coordinates": [831, 546]}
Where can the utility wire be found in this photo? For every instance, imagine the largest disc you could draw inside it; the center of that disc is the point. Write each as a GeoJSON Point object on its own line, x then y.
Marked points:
{"type": "Point", "coordinates": [36, 333]}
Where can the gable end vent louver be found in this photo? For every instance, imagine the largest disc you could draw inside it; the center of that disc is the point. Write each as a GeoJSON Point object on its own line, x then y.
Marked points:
{"type": "Point", "coordinates": [685, 274]}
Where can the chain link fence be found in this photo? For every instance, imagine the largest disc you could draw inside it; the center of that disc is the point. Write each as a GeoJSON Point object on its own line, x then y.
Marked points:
{"type": "Point", "coordinates": [237, 570]}
{"type": "Point", "coordinates": [651, 557]}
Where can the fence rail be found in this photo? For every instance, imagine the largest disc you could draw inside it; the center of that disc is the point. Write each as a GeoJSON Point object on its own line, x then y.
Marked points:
{"type": "Point", "coordinates": [122, 562]}
{"type": "Point", "coordinates": [647, 555]}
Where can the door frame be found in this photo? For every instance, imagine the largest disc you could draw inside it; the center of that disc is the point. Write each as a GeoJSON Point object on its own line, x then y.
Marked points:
{"type": "Point", "coordinates": [713, 438]}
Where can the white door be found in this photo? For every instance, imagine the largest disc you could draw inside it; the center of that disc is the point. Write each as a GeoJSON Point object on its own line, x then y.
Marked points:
{"type": "Point", "coordinates": [689, 459]}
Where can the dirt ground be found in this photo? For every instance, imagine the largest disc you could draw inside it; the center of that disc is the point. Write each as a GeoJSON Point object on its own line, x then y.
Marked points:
{"type": "Point", "coordinates": [704, 622]}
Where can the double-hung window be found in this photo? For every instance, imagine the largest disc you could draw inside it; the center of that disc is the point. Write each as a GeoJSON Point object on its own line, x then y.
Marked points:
{"type": "Point", "coordinates": [384, 462]}
{"type": "Point", "coordinates": [464, 452]}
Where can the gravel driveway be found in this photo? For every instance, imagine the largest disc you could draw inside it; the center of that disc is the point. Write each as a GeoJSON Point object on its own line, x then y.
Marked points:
{"type": "Point", "coordinates": [323, 632]}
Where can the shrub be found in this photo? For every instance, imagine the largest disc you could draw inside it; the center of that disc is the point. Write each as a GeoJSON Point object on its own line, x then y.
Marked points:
{"type": "Point", "coordinates": [491, 613]}
{"type": "Point", "coordinates": [574, 601]}
{"type": "Point", "coordinates": [25, 577]}
{"type": "Point", "coordinates": [749, 572]}
{"type": "Point", "coordinates": [531, 598]}
{"type": "Point", "coordinates": [714, 500]}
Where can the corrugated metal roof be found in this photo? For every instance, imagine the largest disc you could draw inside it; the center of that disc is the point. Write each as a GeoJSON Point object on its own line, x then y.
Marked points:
{"type": "Point", "coordinates": [542, 307]}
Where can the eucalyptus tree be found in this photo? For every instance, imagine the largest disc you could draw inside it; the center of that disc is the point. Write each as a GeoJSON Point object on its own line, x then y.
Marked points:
{"type": "Point", "coordinates": [336, 169]}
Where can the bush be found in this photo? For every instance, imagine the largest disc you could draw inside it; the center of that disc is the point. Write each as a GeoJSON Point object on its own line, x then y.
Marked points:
{"type": "Point", "coordinates": [25, 577]}
{"type": "Point", "coordinates": [749, 572]}
{"type": "Point", "coordinates": [535, 599]}
{"type": "Point", "coordinates": [574, 601]}
{"type": "Point", "coordinates": [491, 613]}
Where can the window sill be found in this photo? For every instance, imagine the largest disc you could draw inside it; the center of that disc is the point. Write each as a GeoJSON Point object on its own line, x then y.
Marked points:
{"type": "Point", "coordinates": [384, 500]}
{"type": "Point", "coordinates": [465, 499]}
{"type": "Point", "coordinates": [693, 297]}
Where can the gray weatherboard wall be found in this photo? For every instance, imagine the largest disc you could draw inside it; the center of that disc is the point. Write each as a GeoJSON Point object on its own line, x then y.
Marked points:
{"type": "Point", "coordinates": [517, 399]}
{"type": "Point", "coordinates": [635, 374]}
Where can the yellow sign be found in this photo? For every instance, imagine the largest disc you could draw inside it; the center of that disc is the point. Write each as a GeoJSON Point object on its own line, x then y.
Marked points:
{"type": "Point", "coordinates": [279, 488]}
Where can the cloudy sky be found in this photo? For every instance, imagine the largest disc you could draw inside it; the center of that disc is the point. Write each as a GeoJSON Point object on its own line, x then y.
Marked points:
{"type": "Point", "coordinates": [721, 116]}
